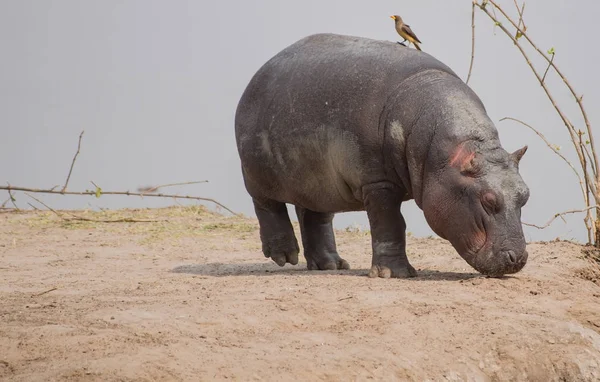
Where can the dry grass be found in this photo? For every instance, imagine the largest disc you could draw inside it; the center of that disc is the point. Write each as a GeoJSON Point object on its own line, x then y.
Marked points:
{"type": "Point", "coordinates": [170, 224]}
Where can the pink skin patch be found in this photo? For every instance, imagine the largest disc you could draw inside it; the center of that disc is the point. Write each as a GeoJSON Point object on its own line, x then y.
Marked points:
{"type": "Point", "coordinates": [479, 240]}
{"type": "Point", "coordinates": [461, 156]}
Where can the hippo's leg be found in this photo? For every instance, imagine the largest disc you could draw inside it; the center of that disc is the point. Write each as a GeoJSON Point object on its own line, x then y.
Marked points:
{"type": "Point", "coordinates": [318, 240]}
{"type": "Point", "coordinates": [388, 231]}
{"type": "Point", "coordinates": [276, 232]}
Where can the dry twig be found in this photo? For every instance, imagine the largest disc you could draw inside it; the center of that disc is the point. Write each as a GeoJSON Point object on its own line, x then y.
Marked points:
{"type": "Point", "coordinates": [93, 193]}
{"type": "Point", "coordinates": [586, 196]}
{"type": "Point", "coordinates": [149, 190]}
{"type": "Point", "coordinates": [472, 41]}
{"type": "Point", "coordinates": [32, 206]}
{"type": "Point", "coordinates": [12, 198]}
{"type": "Point", "coordinates": [560, 215]}
{"type": "Point", "coordinates": [44, 292]}
{"type": "Point", "coordinates": [550, 145]}
{"type": "Point", "coordinates": [517, 35]}
{"type": "Point", "coordinates": [73, 163]}
{"type": "Point", "coordinates": [548, 67]}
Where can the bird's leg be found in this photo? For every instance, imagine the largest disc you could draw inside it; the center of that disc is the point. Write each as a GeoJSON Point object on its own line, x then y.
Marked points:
{"type": "Point", "coordinates": [401, 43]}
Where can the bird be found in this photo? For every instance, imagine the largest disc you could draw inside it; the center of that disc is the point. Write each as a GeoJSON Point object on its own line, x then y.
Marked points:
{"type": "Point", "coordinates": [405, 32]}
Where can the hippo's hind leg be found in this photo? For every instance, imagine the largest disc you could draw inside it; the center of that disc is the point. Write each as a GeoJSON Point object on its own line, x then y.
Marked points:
{"type": "Point", "coordinates": [388, 231]}
{"type": "Point", "coordinates": [318, 240]}
{"type": "Point", "coordinates": [276, 232]}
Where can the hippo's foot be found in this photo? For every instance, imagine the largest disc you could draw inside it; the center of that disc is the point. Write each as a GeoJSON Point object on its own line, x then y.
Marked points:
{"type": "Point", "coordinates": [276, 232]}
{"type": "Point", "coordinates": [282, 251]}
{"type": "Point", "coordinates": [318, 240]}
{"type": "Point", "coordinates": [392, 264]}
{"type": "Point", "coordinates": [392, 269]}
{"type": "Point", "coordinates": [325, 261]}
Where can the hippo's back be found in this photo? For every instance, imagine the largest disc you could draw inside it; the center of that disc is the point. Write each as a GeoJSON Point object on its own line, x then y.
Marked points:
{"type": "Point", "coordinates": [351, 68]}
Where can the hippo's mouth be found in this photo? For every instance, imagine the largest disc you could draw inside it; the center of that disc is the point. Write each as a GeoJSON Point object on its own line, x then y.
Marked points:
{"type": "Point", "coordinates": [478, 244]}
{"type": "Point", "coordinates": [480, 240]}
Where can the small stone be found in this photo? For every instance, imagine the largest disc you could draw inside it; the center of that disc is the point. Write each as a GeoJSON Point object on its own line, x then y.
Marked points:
{"type": "Point", "coordinates": [533, 292]}
{"type": "Point", "coordinates": [551, 341]}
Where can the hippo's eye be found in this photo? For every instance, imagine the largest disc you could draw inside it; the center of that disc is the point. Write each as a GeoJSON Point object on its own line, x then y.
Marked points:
{"type": "Point", "coordinates": [491, 202]}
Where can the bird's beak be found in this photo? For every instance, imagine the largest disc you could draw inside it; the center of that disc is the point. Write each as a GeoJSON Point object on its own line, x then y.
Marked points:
{"type": "Point", "coordinates": [393, 17]}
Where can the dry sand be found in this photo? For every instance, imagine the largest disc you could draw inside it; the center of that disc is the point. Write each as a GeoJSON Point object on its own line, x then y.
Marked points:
{"type": "Point", "coordinates": [191, 297]}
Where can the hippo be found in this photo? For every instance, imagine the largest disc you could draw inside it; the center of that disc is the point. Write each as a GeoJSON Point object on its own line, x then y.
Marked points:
{"type": "Point", "coordinates": [335, 123]}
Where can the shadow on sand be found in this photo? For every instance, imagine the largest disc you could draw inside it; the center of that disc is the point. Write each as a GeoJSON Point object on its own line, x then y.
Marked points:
{"type": "Point", "coordinates": [266, 269]}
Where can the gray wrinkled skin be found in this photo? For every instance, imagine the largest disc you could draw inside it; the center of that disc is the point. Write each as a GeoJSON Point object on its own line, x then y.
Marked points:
{"type": "Point", "coordinates": [338, 123]}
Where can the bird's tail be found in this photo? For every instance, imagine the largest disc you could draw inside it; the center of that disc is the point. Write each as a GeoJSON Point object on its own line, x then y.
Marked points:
{"type": "Point", "coordinates": [417, 46]}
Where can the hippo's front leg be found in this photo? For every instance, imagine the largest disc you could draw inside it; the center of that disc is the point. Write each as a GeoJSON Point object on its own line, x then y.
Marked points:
{"type": "Point", "coordinates": [388, 231]}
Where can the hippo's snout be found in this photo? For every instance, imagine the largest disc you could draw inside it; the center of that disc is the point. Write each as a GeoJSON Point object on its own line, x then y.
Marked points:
{"type": "Point", "coordinates": [499, 263]}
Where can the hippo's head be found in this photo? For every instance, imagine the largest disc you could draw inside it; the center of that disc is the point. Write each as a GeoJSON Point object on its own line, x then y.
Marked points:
{"type": "Point", "coordinates": [474, 201]}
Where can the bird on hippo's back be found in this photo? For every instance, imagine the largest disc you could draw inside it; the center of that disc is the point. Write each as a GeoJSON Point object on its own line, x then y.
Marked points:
{"type": "Point", "coordinates": [406, 32]}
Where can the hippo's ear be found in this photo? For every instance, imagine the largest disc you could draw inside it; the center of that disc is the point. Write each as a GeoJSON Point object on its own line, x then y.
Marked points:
{"type": "Point", "coordinates": [517, 155]}
{"type": "Point", "coordinates": [470, 166]}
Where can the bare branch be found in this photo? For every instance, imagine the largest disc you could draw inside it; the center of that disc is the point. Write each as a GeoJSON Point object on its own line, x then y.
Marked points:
{"type": "Point", "coordinates": [93, 193]}
{"type": "Point", "coordinates": [551, 146]}
{"type": "Point", "coordinates": [591, 160]}
{"type": "Point", "coordinates": [586, 195]}
{"type": "Point", "coordinates": [75, 217]}
{"type": "Point", "coordinates": [12, 198]}
{"type": "Point", "coordinates": [32, 206]}
{"type": "Point", "coordinates": [73, 163]}
{"type": "Point", "coordinates": [149, 190]}
{"type": "Point", "coordinates": [520, 18]}
{"type": "Point", "coordinates": [560, 215]}
{"type": "Point", "coordinates": [548, 67]}
{"type": "Point", "coordinates": [570, 128]}
{"type": "Point", "coordinates": [472, 41]}
{"type": "Point", "coordinates": [577, 98]}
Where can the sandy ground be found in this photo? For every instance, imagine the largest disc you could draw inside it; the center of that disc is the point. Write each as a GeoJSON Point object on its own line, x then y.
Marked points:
{"type": "Point", "coordinates": [191, 297]}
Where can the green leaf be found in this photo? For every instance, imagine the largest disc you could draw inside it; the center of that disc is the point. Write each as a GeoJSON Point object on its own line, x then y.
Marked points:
{"type": "Point", "coordinates": [498, 23]}
{"type": "Point", "coordinates": [551, 51]}
{"type": "Point", "coordinates": [98, 192]}
{"type": "Point", "coordinates": [587, 142]}
{"type": "Point", "coordinates": [519, 35]}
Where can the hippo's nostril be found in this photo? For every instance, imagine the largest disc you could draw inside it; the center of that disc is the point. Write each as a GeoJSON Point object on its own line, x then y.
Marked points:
{"type": "Point", "coordinates": [511, 256]}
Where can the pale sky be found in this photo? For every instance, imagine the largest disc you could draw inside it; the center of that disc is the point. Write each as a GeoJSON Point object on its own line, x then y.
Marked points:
{"type": "Point", "coordinates": [155, 84]}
